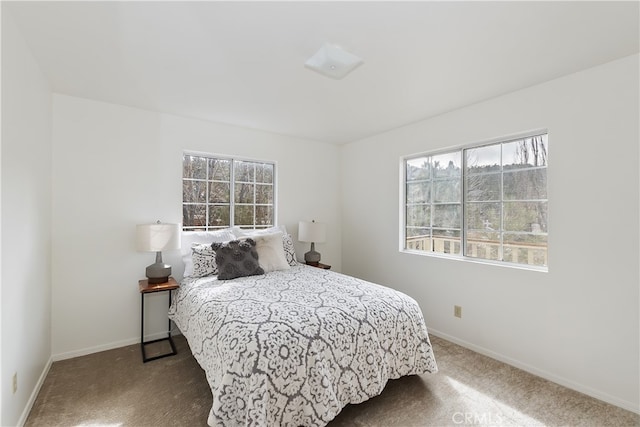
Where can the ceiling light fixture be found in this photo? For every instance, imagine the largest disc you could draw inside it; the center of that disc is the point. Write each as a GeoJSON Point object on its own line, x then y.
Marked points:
{"type": "Point", "coordinates": [333, 61]}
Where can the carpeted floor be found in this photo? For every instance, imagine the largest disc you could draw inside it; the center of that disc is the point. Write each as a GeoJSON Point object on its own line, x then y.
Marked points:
{"type": "Point", "coordinates": [114, 388]}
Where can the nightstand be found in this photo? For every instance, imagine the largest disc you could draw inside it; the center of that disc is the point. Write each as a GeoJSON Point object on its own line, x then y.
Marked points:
{"type": "Point", "coordinates": [146, 288]}
{"type": "Point", "coordinates": [320, 265]}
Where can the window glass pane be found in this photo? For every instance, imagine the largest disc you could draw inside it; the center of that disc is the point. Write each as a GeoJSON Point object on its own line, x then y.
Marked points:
{"type": "Point", "coordinates": [418, 215]}
{"type": "Point", "coordinates": [527, 152]}
{"type": "Point", "coordinates": [194, 215]}
{"type": "Point", "coordinates": [219, 192]}
{"type": "Point", "coordinates": [483, 159]}
{"type": "Point", "coordinates": [264, 216]}
{"type": "Point", "coordinates": [483, 216]}
{"type": "Point", "coordinates": [481, 244]}
{"type": "Point", "coordinates": [446, 216]}
{"type": "Point", "coordinates": [243, 215]}
{"type": "Point", "coordinates": [418, 239]}
{"type": "Point", "coordinates": [219, 216]}
{"type": "Point", "coordinates": [525, 184]}
{"type": "Point", "coordinates": [194, 167]}
{"type": "Point", "coordinates": [244, 171]}
{"type": "Point", "coordinates": [525, 239]}
{"type": "Point", "coordinates": [446, 165]}
{"type": "Point", "coordinates": [264, 194]}
{"type": "Point", "coordinates": [525, 255]}
{"type": "Point", "coordinates": [419, 192]}
{"type": "Point", "coordinates": [194, 191]}
{"type": "Point", "coordinates": [220, 169]}
{"type": "Point", "coordinates": [264, 172]}
{"type": "Point", "coordinates": [446, 190]}
{"type": "Point", "coordinates": [446, 241]}
{"type": "Point", "coordinates": [433, 195]}
{"type": "Point", "coordinates": [525, 216]}
{"type": "Point", "coordinates": [244, 193]}
{"type": "Point", "coordinates": [418, 231]}
{"type": "Point", "coordinates": [514, 155]}
{"type": "Point", "coordinates": [484, 187]}
{"type": "Point", "coordinates": [418, 169]}
{"type": "Point", "coordinates": [525, 248]}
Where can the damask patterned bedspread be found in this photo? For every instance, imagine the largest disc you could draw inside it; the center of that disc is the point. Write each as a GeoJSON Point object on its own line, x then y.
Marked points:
{"type": "Point", "coordinates": [293, 347]}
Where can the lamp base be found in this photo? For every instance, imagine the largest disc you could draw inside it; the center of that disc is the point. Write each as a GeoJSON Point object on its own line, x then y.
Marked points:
{"type": "Point", "coordinates": [312, 257]}
{"type": "Point", "coordinates": [158, 273]}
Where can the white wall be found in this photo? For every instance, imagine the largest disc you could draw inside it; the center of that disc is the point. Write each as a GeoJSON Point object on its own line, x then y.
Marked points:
{"type": "Point", "coordinates": [26, 224]}
{"type": "Point", "coordinates": [578, 324]}
{"type": "Point", "coordinates": [115, 167]}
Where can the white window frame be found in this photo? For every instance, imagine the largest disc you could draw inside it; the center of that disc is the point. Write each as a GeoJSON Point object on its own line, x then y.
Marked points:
{"type": "Point", "coordinates": [463, 226]}
{"type": "Point", "coordinates": [232, 182]}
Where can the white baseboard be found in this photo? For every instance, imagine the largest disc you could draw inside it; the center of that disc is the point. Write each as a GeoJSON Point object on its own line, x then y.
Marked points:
{"type": "Point", "coordinates": [109, 346]}
{"type": "Point", "coordinates": [605, 397]}
{"type": "Point", "coordinates": [34, 393]}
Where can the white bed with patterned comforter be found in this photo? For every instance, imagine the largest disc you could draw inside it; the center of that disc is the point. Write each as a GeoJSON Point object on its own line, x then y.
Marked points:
{"type": "Point", "coordinates": [293, 347]}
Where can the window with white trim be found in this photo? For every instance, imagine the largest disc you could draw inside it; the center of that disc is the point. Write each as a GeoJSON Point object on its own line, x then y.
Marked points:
{"type": "Point", "coordinates": [220, 192]}
{"type": "Point", "coordinates": [486, 202]}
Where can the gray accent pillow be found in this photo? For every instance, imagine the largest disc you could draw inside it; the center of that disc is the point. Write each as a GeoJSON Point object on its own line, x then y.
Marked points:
{"type": "Point", "coordinates": [237, 258]}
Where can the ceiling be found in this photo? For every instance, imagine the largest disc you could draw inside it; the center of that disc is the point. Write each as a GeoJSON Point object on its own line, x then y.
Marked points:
{"type": "Point", "coordinates": [242, 63]}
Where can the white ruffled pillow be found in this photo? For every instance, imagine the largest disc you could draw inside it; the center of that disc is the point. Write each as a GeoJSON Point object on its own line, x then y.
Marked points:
{"type": "Point", "coordinates": [287, 240]}
{"type": "Point", "coordinates": [271, 255]}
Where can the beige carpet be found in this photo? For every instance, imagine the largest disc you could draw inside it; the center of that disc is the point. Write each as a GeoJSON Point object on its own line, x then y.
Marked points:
{"type": "Point", "coordinates": [114, 388]}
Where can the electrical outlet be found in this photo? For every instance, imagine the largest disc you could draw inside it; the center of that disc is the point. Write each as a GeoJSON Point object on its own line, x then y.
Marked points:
{"type": "Point", "coordinates": [457, 311]}
{"type": "Point", "coordinates": [15, 382]}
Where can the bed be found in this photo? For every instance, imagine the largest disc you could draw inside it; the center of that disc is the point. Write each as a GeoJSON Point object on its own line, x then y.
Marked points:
{"type": "Point", "coordinates": [292, 347]}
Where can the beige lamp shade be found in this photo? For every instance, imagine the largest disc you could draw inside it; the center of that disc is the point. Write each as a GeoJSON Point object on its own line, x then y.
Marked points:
{"type": "Point", "coordinates": [314, 232]}
{"type": "Point", "coordinates": [157, 237]}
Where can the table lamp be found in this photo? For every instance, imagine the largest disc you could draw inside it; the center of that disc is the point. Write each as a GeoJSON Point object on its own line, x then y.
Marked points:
{"type": "Point", "coordinates": [314, 232]}
{"type": "Point", "coordinates": [156, 238]}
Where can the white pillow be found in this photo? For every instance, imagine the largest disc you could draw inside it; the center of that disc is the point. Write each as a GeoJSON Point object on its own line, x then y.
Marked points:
{"type": "Point", "coordinates": [239, 232]}
{"type": "Point", "coordinates": [271, 255]}
{"type": "Point", "coordinates": [191, 238]}
{"type": "Point", "coordinates": [287, 241]}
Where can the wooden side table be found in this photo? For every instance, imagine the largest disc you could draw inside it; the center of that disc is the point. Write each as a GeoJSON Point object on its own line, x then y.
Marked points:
{"type": "Point", "coordinates": [146, 288]}
{"type": "Point", "coordinates": [320, 265]}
